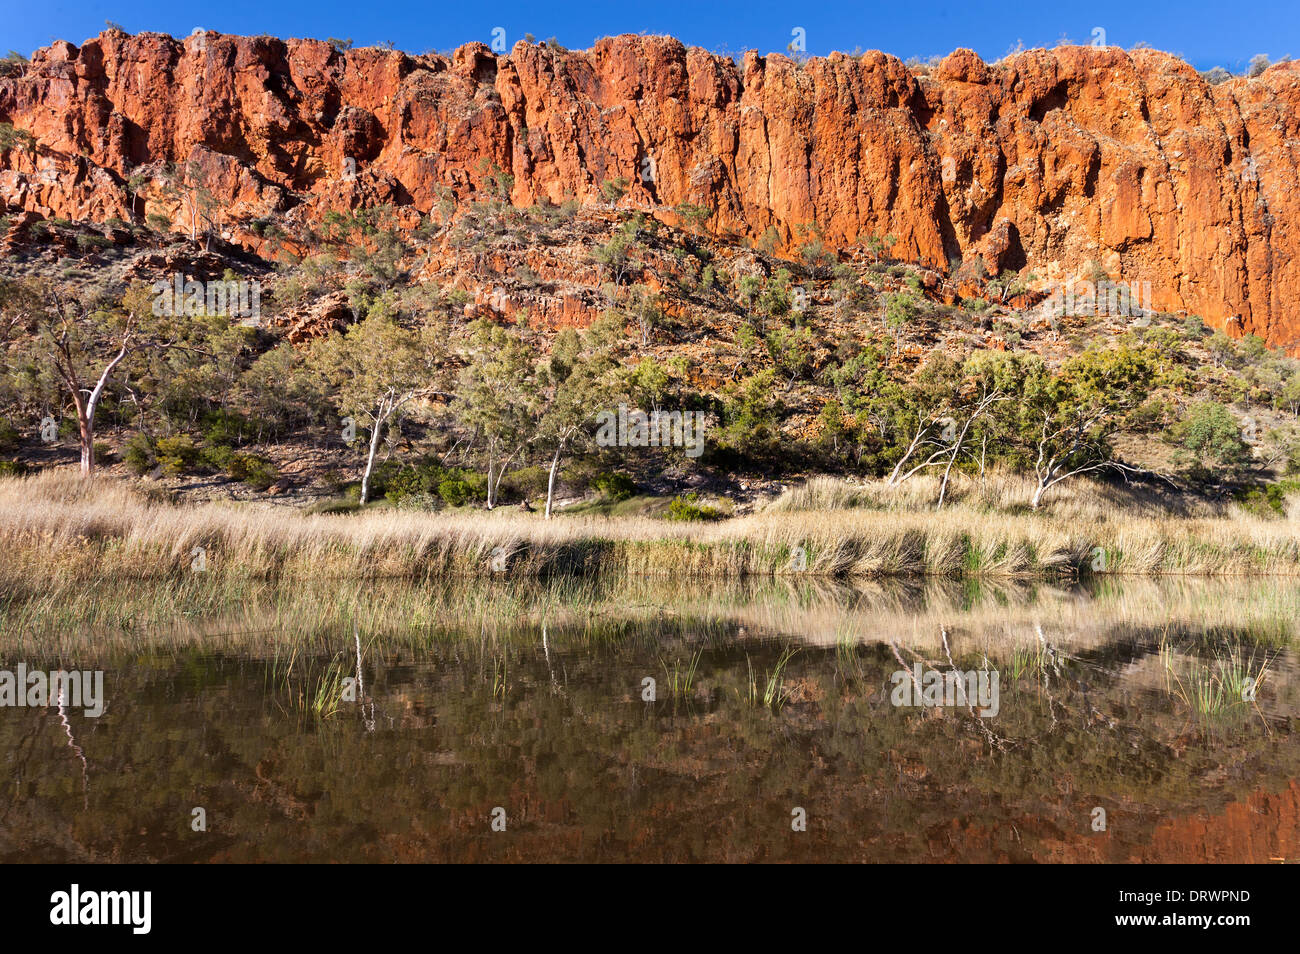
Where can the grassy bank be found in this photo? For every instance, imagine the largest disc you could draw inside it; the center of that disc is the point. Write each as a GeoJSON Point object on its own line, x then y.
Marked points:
{"type": "Point", "coordinates": [56, 529]}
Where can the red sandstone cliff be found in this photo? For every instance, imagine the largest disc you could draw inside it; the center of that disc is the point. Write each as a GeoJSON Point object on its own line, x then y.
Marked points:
{"type": "Point", "coordinates": [1046, 162]}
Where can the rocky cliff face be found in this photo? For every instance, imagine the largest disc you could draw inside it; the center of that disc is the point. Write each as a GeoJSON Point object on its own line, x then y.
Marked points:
{"type": "Point", "coordinates": [1044, 163]}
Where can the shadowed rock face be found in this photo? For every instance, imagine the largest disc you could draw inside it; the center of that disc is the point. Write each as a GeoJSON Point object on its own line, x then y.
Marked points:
{"type": "Point", "coordinates": [1048, 162]}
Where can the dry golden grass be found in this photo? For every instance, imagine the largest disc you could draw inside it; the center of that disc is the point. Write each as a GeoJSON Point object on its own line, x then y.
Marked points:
{"type": "Point", "coordinates": [79, 559]}
{"type": "Point", "coordinates": [1000, 492]}
{"type": "Point", "coordinates": [55, 527]}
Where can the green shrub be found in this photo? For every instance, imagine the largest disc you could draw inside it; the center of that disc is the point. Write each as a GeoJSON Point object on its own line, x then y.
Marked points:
{"type": "Point", "coordinates": [216, 457]}
{"type": "Point", "coordinates": [1266, 501]}
{"type": "Point", "coordinates": [177, 455]}
{"type": "Point", "coordinates": [225, 427]}
{"type": "Point", "coordinates": [476, 481]}
{"type": "Point", "coordinates": [12, 468]}
{"type": "Point", "coordinates": [614, 486]}
{"type": "Point", "coordinates": [139, 453]}
{"type": "Point", "coordinates": [689, 508]}
{"type": "Point", "coordinates": [257, 472]}
{"type": "Point", "coordinates": [1211, 441]}
{"type": "Point", "coordinates": [398, 482]}
{"type": "Point", "coordinates": [455, 493]}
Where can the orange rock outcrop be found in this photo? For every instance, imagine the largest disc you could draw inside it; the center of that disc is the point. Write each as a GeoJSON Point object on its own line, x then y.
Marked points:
{"type": "Point", "coordinates": [1045, 163]}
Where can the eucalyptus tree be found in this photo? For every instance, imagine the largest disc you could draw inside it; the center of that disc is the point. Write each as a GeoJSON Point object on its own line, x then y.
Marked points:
{"type": "Point", "coordinates": [1068, 419]}
{"type": "Point", "coordinates": [496, 396]}
{"type": "Point", "coordinates": [580, 380]}
{"type": "Point", "coordinates": [78, 342]}
{"type": "Point", "coordinates": [377, 368]}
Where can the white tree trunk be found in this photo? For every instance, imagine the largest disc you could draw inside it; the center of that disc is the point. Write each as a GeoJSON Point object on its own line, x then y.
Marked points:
{"type": "Point", "coordinates": [1038, 494]}
{"type": "Point", "coordinates": [550, 481]}
{"type": "Point", "coordinates": [86, 437]}
{"type": "Point", "coordinates": [381, 416]}
{"type": "Point", "coordinates": [494, 486]}
{"type": "Point", "coordinates": [943, 485]}
{"type": "Point", "coordinates": [370, 463]}
{"type": "Point", "coordinates": [492, 448]}
{"type": "Point", "coordinates": [1045, 472]}
{"type": "Point", "coordinates": [86, 412]}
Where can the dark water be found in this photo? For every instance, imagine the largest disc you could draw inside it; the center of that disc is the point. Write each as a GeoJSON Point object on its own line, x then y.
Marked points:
{"type": "Point", "coordinates": [549, 733]}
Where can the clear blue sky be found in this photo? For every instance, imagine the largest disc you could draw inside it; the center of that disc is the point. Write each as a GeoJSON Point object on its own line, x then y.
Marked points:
{"type": "Point", "coordinates": [1219, 33]}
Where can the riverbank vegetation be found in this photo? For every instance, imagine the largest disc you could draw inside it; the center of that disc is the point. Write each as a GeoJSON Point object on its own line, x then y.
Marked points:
{"type": "Point", "coordinates": [432, 368]}
{"type": "Point", "coordinates": [62, 534]}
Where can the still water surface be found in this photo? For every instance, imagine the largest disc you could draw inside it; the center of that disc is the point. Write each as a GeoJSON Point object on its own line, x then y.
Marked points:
{"type": "Point", "coordinates": [377, 743]}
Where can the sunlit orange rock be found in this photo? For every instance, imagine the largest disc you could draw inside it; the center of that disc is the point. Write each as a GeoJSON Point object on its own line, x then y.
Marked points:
{"type": "Point", "coordinates": [1044, 163]}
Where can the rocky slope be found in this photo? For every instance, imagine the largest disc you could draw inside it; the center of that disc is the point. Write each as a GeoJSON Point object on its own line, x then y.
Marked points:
{"type": "Point", "coordinates": [1044, 163]}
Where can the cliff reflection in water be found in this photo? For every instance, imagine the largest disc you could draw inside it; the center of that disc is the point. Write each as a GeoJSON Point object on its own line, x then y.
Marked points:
{"type": "Point", "coordinates": [766, 701]}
